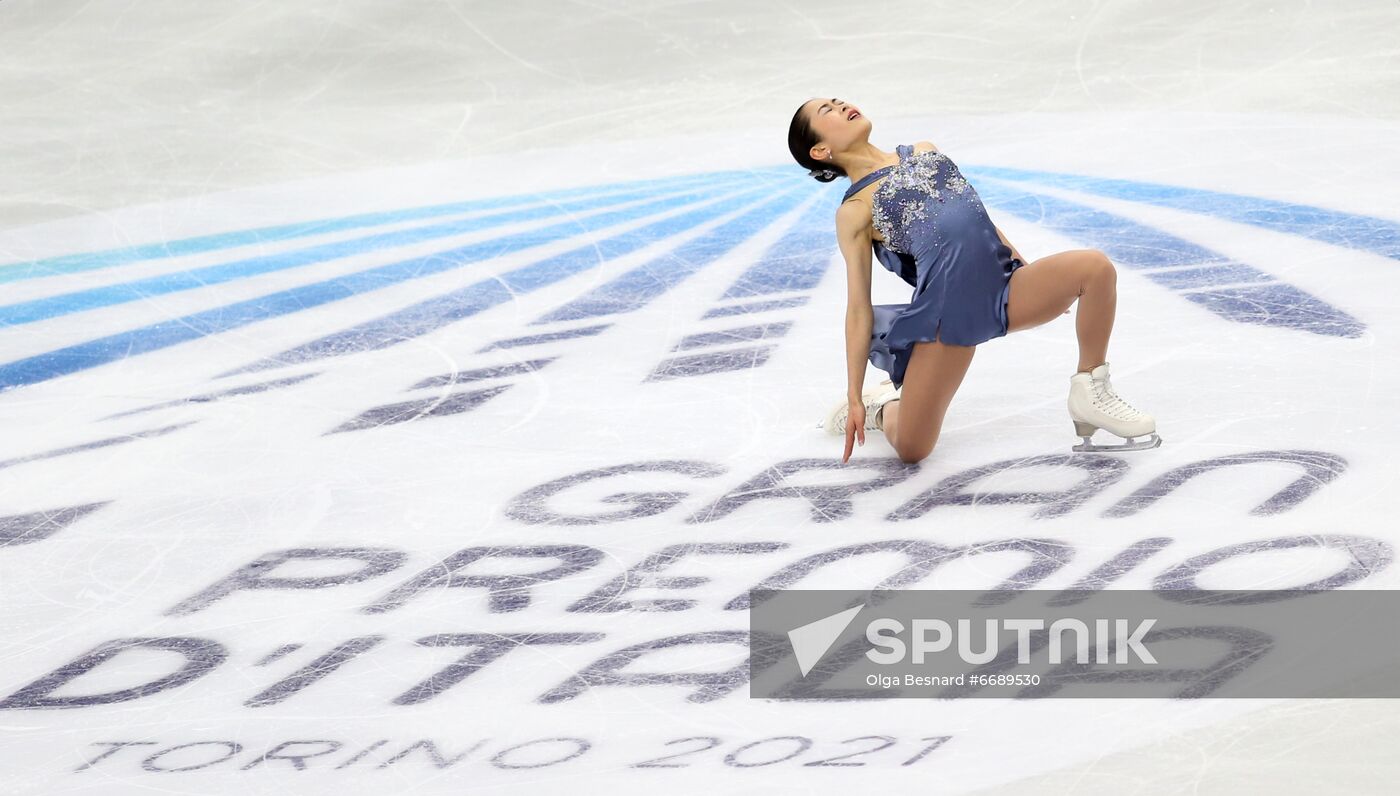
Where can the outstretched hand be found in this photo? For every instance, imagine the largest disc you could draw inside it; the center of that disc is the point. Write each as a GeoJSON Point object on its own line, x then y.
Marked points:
{"type": "Point", "coordinates": [855, 427]}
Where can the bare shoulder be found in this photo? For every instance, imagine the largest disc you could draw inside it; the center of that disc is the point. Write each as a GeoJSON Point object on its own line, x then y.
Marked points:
{"type": "Point", "coordinates": [851, 213]}
{"type": "Point", "coordinates": [852, 217]}
{"type": "Point", "coordinates": [924, 146]}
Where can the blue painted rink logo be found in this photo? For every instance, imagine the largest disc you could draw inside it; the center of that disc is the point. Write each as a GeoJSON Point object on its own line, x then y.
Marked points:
{"type": "Point", "coordinates": [481, 487]}
{"type": "Point", "coordinates": [748, 202]}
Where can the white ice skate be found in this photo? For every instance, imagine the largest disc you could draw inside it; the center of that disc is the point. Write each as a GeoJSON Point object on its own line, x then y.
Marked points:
{"type": "Point", "coordinates": [873, 398]}
{"type": "Point", "coordinates": [1094, 405]}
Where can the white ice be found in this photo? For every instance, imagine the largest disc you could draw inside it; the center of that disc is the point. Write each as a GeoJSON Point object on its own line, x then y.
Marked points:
{"type": "Point", "coordinates": [131, 124]}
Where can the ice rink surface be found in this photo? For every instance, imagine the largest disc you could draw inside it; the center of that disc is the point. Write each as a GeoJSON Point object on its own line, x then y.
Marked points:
{"type": "Point", "coordinates": [401, 398]}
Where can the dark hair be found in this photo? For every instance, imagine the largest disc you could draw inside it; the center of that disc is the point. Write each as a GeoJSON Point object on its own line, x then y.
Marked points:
{"type": "Point", "coordinates": [801, 139]}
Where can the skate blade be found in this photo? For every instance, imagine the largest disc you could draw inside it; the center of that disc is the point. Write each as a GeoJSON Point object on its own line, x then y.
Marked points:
{"type": "Point", "coordinates": [1133, 444]}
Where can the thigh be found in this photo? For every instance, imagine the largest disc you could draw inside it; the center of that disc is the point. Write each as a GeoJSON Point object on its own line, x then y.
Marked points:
{"type": "Point", "coordinates": [933, 375]}
{"type": "Point", "coordinates": [1041, 291]}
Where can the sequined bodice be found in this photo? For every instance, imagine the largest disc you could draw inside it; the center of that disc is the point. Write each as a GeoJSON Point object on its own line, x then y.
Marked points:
{"type": "Point", "coordinates": [913, 193]}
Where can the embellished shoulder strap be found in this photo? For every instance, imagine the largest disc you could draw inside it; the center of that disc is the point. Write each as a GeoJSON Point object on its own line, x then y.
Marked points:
{"type": "Point", "coordinates": [866, 180]}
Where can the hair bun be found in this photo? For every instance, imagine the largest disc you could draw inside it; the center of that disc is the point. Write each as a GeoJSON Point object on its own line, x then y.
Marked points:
{"type": "Point", "coordinates": [822, 175]}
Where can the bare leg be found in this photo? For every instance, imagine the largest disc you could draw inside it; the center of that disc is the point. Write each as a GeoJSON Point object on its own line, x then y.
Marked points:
{"type": "Point", "coordinates": [912, 423]}
{"type": "Point", "coordinates": [1042, 290]}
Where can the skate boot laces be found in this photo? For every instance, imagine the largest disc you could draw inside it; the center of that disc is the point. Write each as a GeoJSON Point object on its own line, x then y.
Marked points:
{"type": "Point", "coordinates": [873, 402]}
{"type": "Point", "coordinates": [872, 407]}
{"type": "Point", "coordinates": [1108, 402]}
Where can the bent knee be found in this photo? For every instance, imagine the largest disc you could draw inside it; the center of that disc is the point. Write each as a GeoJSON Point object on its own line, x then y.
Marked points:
{"type": "Point", "coordinates": [1100, 265]}
{"type": "Point", "coordinates": [914, 453]}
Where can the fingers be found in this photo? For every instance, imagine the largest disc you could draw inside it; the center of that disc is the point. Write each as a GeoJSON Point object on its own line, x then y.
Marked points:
{"type": "Point", "coordinates": [855, 429]}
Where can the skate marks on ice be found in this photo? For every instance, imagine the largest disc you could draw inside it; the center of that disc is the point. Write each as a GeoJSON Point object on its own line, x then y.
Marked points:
{"type": "Point", "coordinates": [393, 666]}
{"type": "Point", "coordinates": [18, 529]}
{"type": "Point", "coordinates": [1339, 228]}
{"type": "Point", "coordinates": [172, 331]}
{"type": "Point", "coordinates": [628, 292]}
{"type": "Point", "coordinates": [795, 264]}
{"type": "Point", "coordinates": [1230, 289]}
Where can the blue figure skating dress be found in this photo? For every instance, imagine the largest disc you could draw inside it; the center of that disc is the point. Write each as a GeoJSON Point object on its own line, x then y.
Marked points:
{"type": "Point", "coordinates": [939, 239]}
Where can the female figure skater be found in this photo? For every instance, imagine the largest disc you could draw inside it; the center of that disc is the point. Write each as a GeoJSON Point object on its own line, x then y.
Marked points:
{"type": "Point", "coordinates": [925, 223]}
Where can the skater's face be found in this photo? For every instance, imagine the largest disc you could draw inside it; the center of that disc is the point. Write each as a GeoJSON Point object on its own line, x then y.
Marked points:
{"type": "Point", "coordinates": [837, 123]}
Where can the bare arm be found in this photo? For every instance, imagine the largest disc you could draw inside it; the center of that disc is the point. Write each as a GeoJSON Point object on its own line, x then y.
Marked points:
{"type": "Point", "coordinates": [853, 236]}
